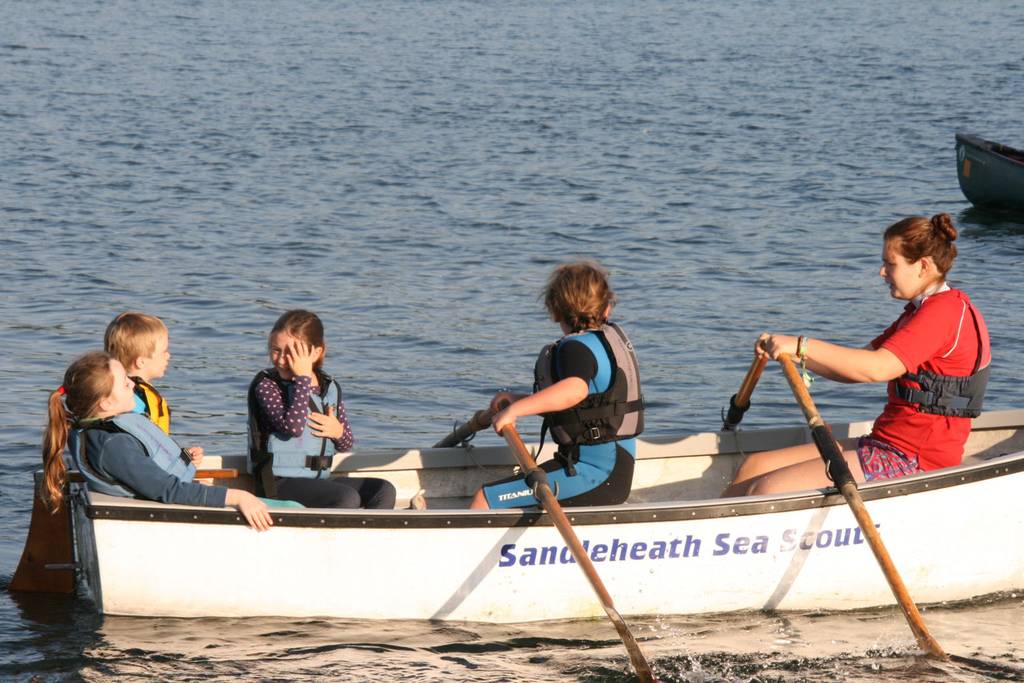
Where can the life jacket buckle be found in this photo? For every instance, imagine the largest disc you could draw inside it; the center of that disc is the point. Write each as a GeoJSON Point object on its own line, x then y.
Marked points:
{"type": "Point", "coordinates": [592, 434]}
{"type": "Point", "coordinates": [567, 460]}
{"type": "Point", "coordinates": [319, 463]}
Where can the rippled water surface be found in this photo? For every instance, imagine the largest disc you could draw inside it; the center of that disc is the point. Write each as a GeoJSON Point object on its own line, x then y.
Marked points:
{"type": "Point", "coordinates": [411, 171]}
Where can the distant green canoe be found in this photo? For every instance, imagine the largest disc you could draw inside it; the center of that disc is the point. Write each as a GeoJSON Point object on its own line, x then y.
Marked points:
{"type": "Point", "coordinates": [990, 174]}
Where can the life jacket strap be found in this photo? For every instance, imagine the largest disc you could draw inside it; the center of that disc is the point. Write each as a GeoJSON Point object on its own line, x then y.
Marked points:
{"type": "Point", "coordinates": [567, 458]}
{"type": "Point", "coordinates": [322, 462]}
{"type": "Point", "coordinates": [319, 463]}
{"type": "Point", "coordinates": [263, 473]}
{"type": "Point", "coordinates": [584, 415]}
{"type": "Point", "coordinates": [946, 395]}
{"type": "Point", "coordinates": [565, 455]}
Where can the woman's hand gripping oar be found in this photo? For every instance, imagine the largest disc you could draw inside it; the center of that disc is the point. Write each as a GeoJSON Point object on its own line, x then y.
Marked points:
{"type": "Point", "coordinates": [740, 401]}
{"type": "Point", "coordinates": [839, 473]}
{"type": "Point", "coordinates": [537, 478]}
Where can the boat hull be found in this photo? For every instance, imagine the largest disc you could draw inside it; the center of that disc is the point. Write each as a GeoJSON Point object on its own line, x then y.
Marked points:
{"type": "Point", "coordinates": [990, 174]}
{"type": "Point", "coordinates": [797, 551]}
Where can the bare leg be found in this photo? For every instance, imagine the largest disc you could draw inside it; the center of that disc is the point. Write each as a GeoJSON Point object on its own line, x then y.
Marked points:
{"type": "Point", "coordinates": [764, 462]}
{"type": "Point", "coordinates": [759, 464]}
{"type": "Point", "coordinates": [479, 502]}
{"type": "Point", "coordinates": [801, 476]}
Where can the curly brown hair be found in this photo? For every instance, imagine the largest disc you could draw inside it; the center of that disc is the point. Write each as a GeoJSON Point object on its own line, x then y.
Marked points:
{"type": "Point", "coordinates": [578, 294]}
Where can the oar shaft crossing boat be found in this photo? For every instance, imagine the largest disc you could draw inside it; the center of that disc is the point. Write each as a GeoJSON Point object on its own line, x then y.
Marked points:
{"type": "Point", "coordinates": [673, 548]}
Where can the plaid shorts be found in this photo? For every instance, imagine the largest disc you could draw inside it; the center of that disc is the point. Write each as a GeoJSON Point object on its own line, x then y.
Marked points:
{"type": "Point", "coordinates": [879, 460]}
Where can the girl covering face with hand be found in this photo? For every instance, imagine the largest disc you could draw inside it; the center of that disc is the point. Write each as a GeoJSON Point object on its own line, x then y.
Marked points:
{"type": "Point", "coordinates": [297, 422]}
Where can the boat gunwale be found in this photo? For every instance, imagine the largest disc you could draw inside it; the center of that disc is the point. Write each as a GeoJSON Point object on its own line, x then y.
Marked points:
{"type": "Point", "coordinates": [1004, 152]}
{"type": "Point", "coordinates": [104, 508]}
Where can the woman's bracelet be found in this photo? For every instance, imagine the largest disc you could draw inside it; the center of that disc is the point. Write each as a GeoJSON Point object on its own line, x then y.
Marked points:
{"type": "Point", "coordinates": [801, 352]}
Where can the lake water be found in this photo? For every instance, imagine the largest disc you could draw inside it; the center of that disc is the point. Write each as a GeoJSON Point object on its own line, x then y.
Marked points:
{"type": "Point", "coordinates": [412, 171]}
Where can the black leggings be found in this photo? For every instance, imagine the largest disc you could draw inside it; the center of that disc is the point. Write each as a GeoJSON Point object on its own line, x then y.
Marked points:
{"type": "Point", "coordinates": [338, 492]}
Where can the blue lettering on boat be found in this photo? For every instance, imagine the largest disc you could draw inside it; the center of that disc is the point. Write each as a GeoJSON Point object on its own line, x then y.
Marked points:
{"type": "Point", "coordinates": [741, 545]}
{"type": "Point", "coordinates": [618, 551]}
{"type": "Point", "coordinates": [823, 538]}
{"type": "Point", "coordinates": [625, 550]}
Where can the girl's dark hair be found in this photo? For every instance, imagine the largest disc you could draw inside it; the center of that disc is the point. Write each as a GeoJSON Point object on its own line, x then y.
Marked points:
{"type": "Point", "coordinates": [87, 381]}
{"type": "Point", "coordinates": [305, 326]}
{"type": "Point", "coordinates": [916, 237]}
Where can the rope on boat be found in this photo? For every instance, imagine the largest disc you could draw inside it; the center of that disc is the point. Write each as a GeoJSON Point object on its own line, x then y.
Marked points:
{"type": "Point", "coordinates": [466, 445]}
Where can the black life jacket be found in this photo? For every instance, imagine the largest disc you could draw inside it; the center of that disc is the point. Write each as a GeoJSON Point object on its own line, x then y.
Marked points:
{"type": "Point", "coordinates": [949, 395]}
{"type": "Point", "coordinates": [610, 415]}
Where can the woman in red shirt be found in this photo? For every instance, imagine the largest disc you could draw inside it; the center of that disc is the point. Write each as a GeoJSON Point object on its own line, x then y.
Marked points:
{"type": "Point", "coordinates": [935, 358]}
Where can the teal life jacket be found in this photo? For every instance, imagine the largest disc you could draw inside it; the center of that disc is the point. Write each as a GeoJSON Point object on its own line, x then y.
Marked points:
{"type": "Point", "coordinates": [160, 448]}
{"type": "Point", "coordinates": [273, 455]}
{"type": "Point", "coordinates": [614, 408]}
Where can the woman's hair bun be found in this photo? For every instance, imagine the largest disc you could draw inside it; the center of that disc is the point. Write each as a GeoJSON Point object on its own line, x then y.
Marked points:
{"type": "Point", "coordinates": [944, 225]}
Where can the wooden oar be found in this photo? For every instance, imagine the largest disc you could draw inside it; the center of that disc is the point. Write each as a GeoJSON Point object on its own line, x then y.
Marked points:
{"type": "Point", "coordinates": [839, 473]}
{"type": "Point", "coordinates": [561, 522]}
{"type": "Point", "coordinates": [740, 401]}
{"type": "Point", "coordinates": [481, 420]}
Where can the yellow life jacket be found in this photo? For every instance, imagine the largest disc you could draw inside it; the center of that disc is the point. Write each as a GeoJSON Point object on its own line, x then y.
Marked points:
{"type": "Point", "coordinates": [157, 409]}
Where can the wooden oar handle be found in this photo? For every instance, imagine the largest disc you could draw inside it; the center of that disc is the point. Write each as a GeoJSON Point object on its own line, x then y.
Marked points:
{"type": "Point", "coordinates": [481, 420]}
{"type": "Point", "coordinates": [223, 473]}
{"type": "Point", "coordinates": [803, 397]}
{"type": "Point", "coordinates": [835, 464]}
{"type": "Point", "coordinates": [840, 473]}
{"type": "Point", "coordinates": [740, 401]}
{"type": "Point", "coordinates": [750, 381]}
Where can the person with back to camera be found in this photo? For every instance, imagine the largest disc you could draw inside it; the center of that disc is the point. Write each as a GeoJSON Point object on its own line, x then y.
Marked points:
{"type": "Point", "coordinates": [935, 358]}
{"type": "Point", "coordinates": [121, 452]}
{"type": "Point", "coordinates": [297, 422]}
{"type": "Point", "coordinates": [587, 388]}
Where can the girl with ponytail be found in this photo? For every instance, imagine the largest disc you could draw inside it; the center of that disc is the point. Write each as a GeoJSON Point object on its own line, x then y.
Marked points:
{"type": "Point", "coordinates": [935, 358]}
{"type": "Point", "coordinates": [120, 455]}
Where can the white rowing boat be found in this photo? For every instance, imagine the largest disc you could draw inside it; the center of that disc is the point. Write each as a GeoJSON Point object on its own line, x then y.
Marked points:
{"type": "Point", "coordinates": [674, 548]}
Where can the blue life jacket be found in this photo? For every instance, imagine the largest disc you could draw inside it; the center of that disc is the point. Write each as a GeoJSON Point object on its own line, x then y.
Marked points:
{"type": "Point", "coordinates": [273, 455]}
{"type": "Point", "coordinates": [614, 407]}
{"type": "Point", "coordinates": [160, 447]}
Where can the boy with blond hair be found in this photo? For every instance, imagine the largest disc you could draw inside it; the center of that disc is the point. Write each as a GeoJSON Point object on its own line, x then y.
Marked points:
{"type": "Point", "coordinates": [141, 343]}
